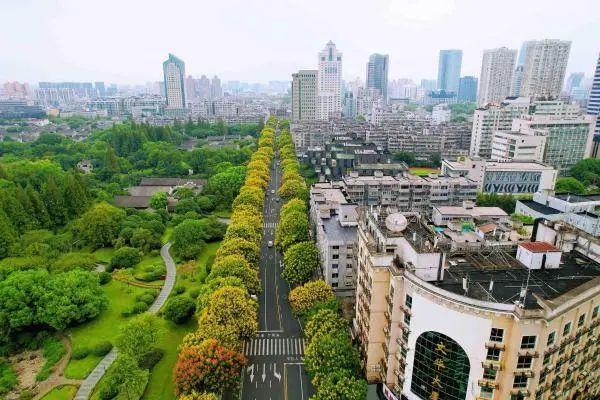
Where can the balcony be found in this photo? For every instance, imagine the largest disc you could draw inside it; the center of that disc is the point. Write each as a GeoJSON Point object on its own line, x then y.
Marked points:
{"type": "Point", "coordinates": [494, 345]}
{"type": "Point", "coordinates": [521, 391]}
{"type": "Point", "coordinates": [389, 300]}
{"type": "Point", "coordinates": [497, 365]}
{"type": "Point", "coordinates": [386, 331]}
{"type": "Point", "coordinates": [524, 372]}
{"type": "Point", "coordinates": [529, 352]}
{"type": "Point", "coordinates": [387, 316]}
{"type": "Point", "coordinates": [488, 383]}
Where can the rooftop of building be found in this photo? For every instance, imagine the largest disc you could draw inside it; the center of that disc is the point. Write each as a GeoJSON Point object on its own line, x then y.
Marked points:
{"type": "Point", "coordinates": [509, 277]}
{"type": "Point", "coordinates": [500, 165]}
{"type": "Point", "coordinates": [540, 208]}
{"type": "Point", "coordinates": [474, 211]}
{"type": "Point", "coordinates": [336, 232]}
{"type": "Point", "coordinates": [171, 181]}
{"type": "Point", "coordinates": [577, 198]}
{"type": "Point", "coordinates": [539, 247]}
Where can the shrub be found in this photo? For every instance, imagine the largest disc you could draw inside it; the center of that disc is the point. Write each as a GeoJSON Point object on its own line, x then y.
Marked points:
{"type": "Point", "coordinates": [8, 377]}
{"type": "Point", "coordinates": [149, 359]}
{"type": "Point", "coordinates": [79, 353]}
{"type": "Point", "coordinates": [179, 289]}
{"type": "Point", "coordinates": [53, 351]}
{"type": "Point", "coordinates": [140, 307]}
{"type": "Point", "coordinates": [108, 392]}
{"type": "Point", "coordinates": [179, 309]}
{"type": "Point", "coordinates": [151, 273]}
{"type": "Point", "coordinates": [147, 298]}
{"type": "Point", "coordinates": [125, 257]}
{"type": "Point", "coordinates": [194, 293]}
{"type": "Point", "coordinates": [104, 277]}
{"type": "Point", "coordinates": [26, 394]}
{"type": "Point", "coordinates": [103, 348]}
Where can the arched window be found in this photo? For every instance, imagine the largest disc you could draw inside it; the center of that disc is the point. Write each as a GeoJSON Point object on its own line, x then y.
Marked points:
{"type": "Point", "coordinates": [440, 369]}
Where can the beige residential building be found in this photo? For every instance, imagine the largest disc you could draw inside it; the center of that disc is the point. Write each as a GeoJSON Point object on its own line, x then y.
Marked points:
{"type": "Point", "coordinates": [436, 325]}
{"type": "Point", "coordinates": [544, 68]}
{"type": "Point", "coordinates": [304, 96]}
{"type": "Point", "coordinates": [496, 76]}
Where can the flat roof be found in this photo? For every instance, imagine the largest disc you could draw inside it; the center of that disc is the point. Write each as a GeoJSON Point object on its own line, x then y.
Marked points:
{"type": "Point", "coordinates": [577, 198]}
{"type": "Point", "coordinates": [540, 208]}
{"type": "Point", "coordinates": [475, 211]}
{"type": "Point", "coordinates": [539, 247]}
{"type": "Point", "coordinates": [510, 276]}
{"type": "Point", "coordinates": [338, 233]}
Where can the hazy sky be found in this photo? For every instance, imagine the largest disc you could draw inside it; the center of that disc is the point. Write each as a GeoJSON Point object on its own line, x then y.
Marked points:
{"type": "Point", "coordinates": [126, 41]}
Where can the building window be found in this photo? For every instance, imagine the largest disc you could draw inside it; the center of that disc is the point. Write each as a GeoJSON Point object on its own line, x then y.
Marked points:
{"type": "Point", "coordinates": [520, 382]}
{"type": "Point", "coordinates": [335, 256]}
{"type": "Point", "coordinates": [493, 355]}
{"type": "Point", "coordinates": [547, 359]}
{"type": "Point", "coordinates": [528, 342]}
{"type": "Point", "coordinates": [551, 338]}
{"type": "Point", "coordinates": [335, 247]}
{"type": "Point", "coordinates": [334, 275]}
{"type": "Point", "coordinates": [567, 329]}
{"type": "Point", "coordinates": [581, 320]}
{"type": "Point", "coordinates": [334, 266]}
{"type": "Point", "coordinates": [408, 301]}
{"type": "Point", "coordinates": [441, 368]}
{"type": "Point", "coordinates": [595, 312]}
{"type": "Point", "coordinates": [334, 284]}
{"type": "Point", "coordinates": [524, 362]}
{"type": "Point", "coordinates": [406, 318]}
{"type": "Point", "coordinates": [486, 393]}
{"type": "Point", "coordinates": [497, 335]}
{"type": "Point", "coordinates": [490, 374]}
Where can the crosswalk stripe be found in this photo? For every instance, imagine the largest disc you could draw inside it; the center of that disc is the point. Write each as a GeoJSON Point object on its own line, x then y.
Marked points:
{"type": "Point", "coordinates": [274, 346]}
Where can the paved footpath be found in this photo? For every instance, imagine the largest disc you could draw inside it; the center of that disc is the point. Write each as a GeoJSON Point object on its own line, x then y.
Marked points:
{"type": "Point", "coordinates": [88, 385]}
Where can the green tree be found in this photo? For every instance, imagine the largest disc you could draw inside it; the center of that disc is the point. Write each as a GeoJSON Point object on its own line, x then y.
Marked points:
{"type": "Point", "coordinates": [250, 251]}
{"type": "Point", "coordinates": [8, 236]}
{"type": "Point", "coordinates": [159, 201]}
{"type": "Point", "coordinates": [139, 335]}
{"type": "Point", "coordinates": [331, 354]}
{"type": "Point", "coordinates": [72, 297]}
{"type": "Point", "coordinates": [587, 171]}
{"type": "Point", "coordinates": [323, 322]}
{"type": "Point", "coordinates": [54, 202]}
{"type": "Point", "coordinates": [125, 257]}
{"type": "Point", "coordinates": [293, 228]}
{"type": "Point", "coordinates": [188, 239]}
{"type": "Point", "coordinates": [179, 309]}
{"type": "Point", "coordinates": [124, 380]}
{"type": "Point", "coordinates": [340, 386]}
{"type": "Point", "coordinates": [99, 226]}
{"type": "Point", "coordinates": [300, 261]}
{"type": "Point", "coordinates": [569, 185]}
{"type": "Point", "coordinates": [305, 297]}
{"type": "Point", "coordinates": [406, 157]}
{"type": "Point", "coordinates": [69, 261]}
{"type": "Point", "coordinates": [40, 212]}
{"type": "Point", "coordinates": [76, 198]}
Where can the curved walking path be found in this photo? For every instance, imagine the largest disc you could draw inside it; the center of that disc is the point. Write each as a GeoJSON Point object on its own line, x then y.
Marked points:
{"type": "Point", "coordinates": [88, 385]}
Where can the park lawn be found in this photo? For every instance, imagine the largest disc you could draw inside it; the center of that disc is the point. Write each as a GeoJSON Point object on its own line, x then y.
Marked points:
{"type": "Point", "coordinates": [160, 385]}
{"type": "Point", "coordinates": [104, 327]}
{"type": "Point", "coordinates": [104, 254]}
{"type": "Point", "coordinates": [222, 213]}
{"type": "Point", "coordinates": [64, 392]}
{"type": "Point", "coordinates": [422, 171]}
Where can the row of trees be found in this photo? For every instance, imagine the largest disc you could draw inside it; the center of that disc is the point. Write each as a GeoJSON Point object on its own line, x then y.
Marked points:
{"type": "Point", "coordinates": [210, 358]}
{"type": "Point", "coordinates": [300, 255]}
{"type": "Point", "coordinates": [330, 359]}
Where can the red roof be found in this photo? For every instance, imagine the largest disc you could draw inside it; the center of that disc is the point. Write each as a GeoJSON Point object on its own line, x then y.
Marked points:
{"type": "Point", "coordinates": [539, 247]}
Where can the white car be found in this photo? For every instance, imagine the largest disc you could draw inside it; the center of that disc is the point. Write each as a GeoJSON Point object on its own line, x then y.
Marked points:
{"type": "Point", "coordinates": [272, 191]}
{"type": "Point", "coordinates": [270, 243]}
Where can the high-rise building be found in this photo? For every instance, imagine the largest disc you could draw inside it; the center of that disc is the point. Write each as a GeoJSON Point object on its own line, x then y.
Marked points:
{"type": "Point", "coordinates": [377, 74]}
{"type": "Point", "coordinates": [497, 68]}
{"type": "Point", "coordinates": [544, 68]}
{"type": "Point", "coordinates": [304, 96]}
{"type": "Point", "coordinates": [494, 117]}
{"type": "Point", "coordinates": [190, 88]}
{"type": "Point", "coordinates": [515, 87]}
{"type": "Point", "coordinates": [215, 88]}
{"type": "Point", "coordinates": [593, 107]}
{"type": "Point", "coordinates": [415, 300]}
{"type": "Point", "coordinates": [467, 89]}
{"type": "Point", "coordinates": [100, 88]}
{"type": "Point", "coordinates": [174, 72]}
{"type": "Point", "coordinates": [329, 82]}
{"type": "Point", "coordinates": [449, 70]}
{"type": "Point", "coordinates": [575, 80]}
{"type": "Point", "coordinates": [203, 87]}
{"type": "Point", "coordinates": [428, 84]}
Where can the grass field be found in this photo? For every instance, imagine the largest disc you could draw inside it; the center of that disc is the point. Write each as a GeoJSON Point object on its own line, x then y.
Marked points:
{"type": "Point", "coordinates": [104, 327]}
{"type": "Point", "coordinates": [160, 385]}
{"type": "Point", "coordinates": [64, 392]}
{"type": "Point", "coordinates": [167, 235]}
{"type": "Point", "coordinates": [104, 254]}
{"type": "Point", "coordinates": [421, 171]}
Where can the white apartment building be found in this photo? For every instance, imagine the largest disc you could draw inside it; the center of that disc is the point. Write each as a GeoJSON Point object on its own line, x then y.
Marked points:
{"type": "Point", "coordinates": [519, 146]}
{"type": "Point", "coordinates": [174, 75]}
{"type": "Point", "coordinates": [491, 118]}
{"type": "Point", "coordinates": [496, 77]}
{"type": "Point", "coordinates": [441, 113]}
{"type": "Point", "coordinates": [521, 177]}
{"type": "Point", "coordinates": [334, 222]}
{"type": "Point", "coordinates": [329, 82]}
{"type": "Point", "coordinates": [544, 68]}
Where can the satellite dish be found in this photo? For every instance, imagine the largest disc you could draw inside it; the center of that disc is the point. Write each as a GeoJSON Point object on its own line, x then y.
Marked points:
{"type": "Point", "coordinates": [396, 222]}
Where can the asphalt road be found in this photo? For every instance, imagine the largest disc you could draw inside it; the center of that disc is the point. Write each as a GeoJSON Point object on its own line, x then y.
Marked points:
{"type": "Point", "coordinates": [275, 370]}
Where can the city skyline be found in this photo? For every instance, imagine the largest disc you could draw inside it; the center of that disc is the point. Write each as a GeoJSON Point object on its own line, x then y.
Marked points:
{"type": "Point", "coordinates": [53, 48]}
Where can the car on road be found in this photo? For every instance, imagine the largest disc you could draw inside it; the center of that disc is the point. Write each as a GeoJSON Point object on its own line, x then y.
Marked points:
{"type": "Point", "coordinates": [272, 191]}
{"type": "Point", "coordinates": [270, 243]}
{"type": "Point", "coordinates": [277, 199]}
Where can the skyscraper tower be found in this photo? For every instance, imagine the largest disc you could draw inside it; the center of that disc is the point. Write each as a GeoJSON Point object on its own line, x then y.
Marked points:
{"type": "Point", "coordinates": [449, 70]}
{"type": "Point", "coordinates": [544, 68]}
{"type": "Point", "coordinates": [174, 72]}
{"type": "Point", "coordinates": [329, 82]}
{"type": "Point", "coordinates": [377, 74]}
{"type": "Point", "coordinates": [593, 108]}
{"type": "Point", "coordinates": [497, 68]}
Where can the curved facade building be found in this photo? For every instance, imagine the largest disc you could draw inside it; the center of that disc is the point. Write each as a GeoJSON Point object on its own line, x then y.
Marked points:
{"type": "Point", "coordinates": [436, 325]}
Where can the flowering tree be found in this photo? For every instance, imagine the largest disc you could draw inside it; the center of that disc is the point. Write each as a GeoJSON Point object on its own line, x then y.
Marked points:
{"type": "Point", "coordinates": [207, 367]}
